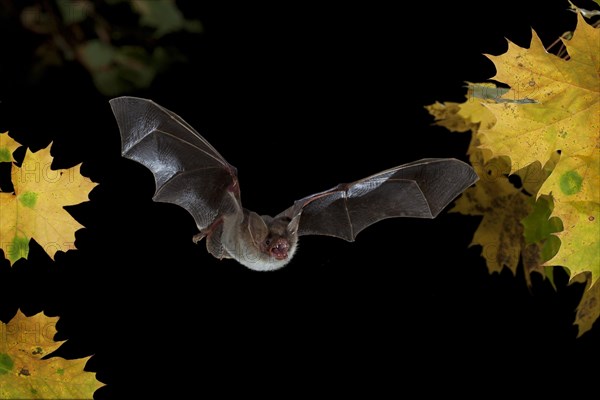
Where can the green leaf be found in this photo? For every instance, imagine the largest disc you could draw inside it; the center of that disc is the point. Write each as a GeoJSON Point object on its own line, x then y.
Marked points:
{"type": "Point", "coordinates": [550, 247]}
{"type": "Point", "coordinates": [160, 14]}
{"type": "Point", "coordinates": [539, 225]}
{"type": "Point", "coordinates": [136, 66]}
{"type": "Point", "coordinates": [164, 16]}
{"type": "Point", "coordinates": [97, 54]}
{"type": "Point", "coordinates": [549, 273]}
{"type": "Point", "coordinates": [107, 82]}
{"type": "Point", "coordinates": [73, 12]}
{"type": "Point", "coordinates": [133, 67]}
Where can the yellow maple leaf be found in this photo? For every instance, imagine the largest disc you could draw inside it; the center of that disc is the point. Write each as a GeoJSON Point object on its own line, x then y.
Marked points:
{"type": "Point", "coordinates": [566, 112]}
{"type": "Point", "coordinates": [588, 310]}
{"type": "Point", "coordinates": [24, 341]}
{"type": "Point", "coordinates": [7, 146]}
{"type": "Point", "coordinates": [565, 117]}
{"type": "Point", "coordinates": [575, 188]}
{"type": "Point", "coordinates": [553, 105]}
{"type": "Point", "coordinates": [36, 210]}
{"type": "Point", "coordinates": [502, 206]}
{"type": "Point", "coordinates": [462, 117]}
{"type": "Point", "coordinates": [449, 116]}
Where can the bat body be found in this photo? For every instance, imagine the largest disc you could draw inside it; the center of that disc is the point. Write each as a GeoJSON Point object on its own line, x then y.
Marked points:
{"type": "Point", "coordinates": [189, 172]}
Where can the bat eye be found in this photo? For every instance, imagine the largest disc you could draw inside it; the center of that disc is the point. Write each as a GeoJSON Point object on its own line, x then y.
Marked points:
{"type": "Point", "coordinates": [268, 242]}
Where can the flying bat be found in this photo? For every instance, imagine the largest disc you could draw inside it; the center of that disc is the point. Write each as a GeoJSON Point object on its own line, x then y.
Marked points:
{"type": "Point", "coordinates": [191, 173]}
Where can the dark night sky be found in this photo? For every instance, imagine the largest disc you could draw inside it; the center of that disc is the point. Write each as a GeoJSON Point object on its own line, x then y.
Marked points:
{"type": "Point", "coordinates": [299, 98]}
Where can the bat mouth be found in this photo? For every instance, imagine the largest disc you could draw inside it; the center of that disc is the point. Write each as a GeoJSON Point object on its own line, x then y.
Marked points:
{"type": "Point", "coordinates": [279, 249]}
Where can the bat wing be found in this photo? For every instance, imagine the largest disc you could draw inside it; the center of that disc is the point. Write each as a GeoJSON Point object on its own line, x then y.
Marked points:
{"type": "Point", "coordinates": [187, 170]}
{"type": "Point", "coordinates": [421, 189]}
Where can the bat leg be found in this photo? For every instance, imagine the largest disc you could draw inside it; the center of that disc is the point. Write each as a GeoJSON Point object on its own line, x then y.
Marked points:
{"type": "Point", "coordinates": [207, 231]}
{"type": "Point", "coordinates": [213, 239]}
{"type": "Point", "coordinates": [198, 237]}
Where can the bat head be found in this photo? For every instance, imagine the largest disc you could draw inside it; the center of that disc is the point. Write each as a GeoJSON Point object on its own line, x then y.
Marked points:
{"type": "Point", "coordinates": [275, 239]}
{"type": "Point", "coordinates": [280, 242]}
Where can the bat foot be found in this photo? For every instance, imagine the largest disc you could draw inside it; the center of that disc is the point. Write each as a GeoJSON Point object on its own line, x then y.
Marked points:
{"type": "Point", "coordinates": [198, 237]}
{"type": "Point", "coordinates": [208, 231]}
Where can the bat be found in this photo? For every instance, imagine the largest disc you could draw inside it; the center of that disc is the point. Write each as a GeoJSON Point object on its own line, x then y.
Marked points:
{"type": "Point", "coordinates": [191, 173]}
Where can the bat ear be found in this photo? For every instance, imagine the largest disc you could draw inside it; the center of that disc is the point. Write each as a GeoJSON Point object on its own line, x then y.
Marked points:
{"type": "Point", "coordinates": [257, 227]}
{"type": "Point", "coordinates": [293, 225]}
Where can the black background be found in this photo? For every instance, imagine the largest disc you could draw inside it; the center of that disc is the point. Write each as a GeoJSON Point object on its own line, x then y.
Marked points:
{"type": "Point", "coordinates": [299, 97]}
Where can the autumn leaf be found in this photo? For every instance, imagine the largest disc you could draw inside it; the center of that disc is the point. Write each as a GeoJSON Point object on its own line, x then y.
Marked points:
{"type": "Point", "coordinates": [500, 204]}
{"type": "Point", "coordinates": [549, 117]}
{"type": "Point", "coordinates": [539, 227]}
{"type": "Point", "coordinates": [567, 92]}
{"type": "Point", "coordinates": [462, 117]}
{"type": "Point", "coordinates": [566, 118]}
{"type": "Point", "coordinates": [36, 210]}
{"type": "Point", "coordinates": [7, 146]}
{"type": "Point", "coordinates": [502, 207]}
{"type": "Point", "coordinates": [588, 310]}
{"type": "Point", "coordinates": [24, 374]}
{"type": "Point", "coordinates": [574, 186]}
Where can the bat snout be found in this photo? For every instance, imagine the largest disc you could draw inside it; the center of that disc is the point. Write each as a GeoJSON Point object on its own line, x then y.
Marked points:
{"type": "Point", "coordinates": [279, 249]}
